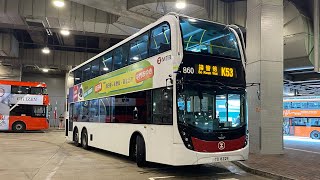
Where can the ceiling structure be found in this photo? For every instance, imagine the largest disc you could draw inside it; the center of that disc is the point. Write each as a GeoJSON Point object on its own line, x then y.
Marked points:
{"type": "Point", "coordinates": [96, 25]}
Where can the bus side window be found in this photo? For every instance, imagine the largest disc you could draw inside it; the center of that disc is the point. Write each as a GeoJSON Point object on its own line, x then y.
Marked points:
{"type": "Point", "coordinates": [36, 90]}
{"type": "Point", "coordinates": [78, 76]}
{"type": "Point", "coordinates": [162, 106]}
{"type": "Point", "coordinates": [106, 63]}
{"type": "Point", "coordinates": [20, 90]}
{"type": "Point", "coordinates": [94, 111]}
{"type": "Point", "coordinates": [138, 48]}
{"type": "Point", "coordinates": [86, 72]}
{"type": "Point", "coordinates": [120, 57]}
{"type": "Point", "coordinates": [160, 40]}
{"type": "Point", "coordinates": [95, 70]}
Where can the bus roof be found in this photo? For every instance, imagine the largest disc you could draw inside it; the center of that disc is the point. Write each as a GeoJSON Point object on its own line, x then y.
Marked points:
{"type": "Point", "coordinates": [172, 14]}
{"type": "Point", "coordinates": [25, 83]}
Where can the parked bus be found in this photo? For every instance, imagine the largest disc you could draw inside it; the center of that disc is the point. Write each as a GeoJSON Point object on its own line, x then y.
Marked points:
{"type": "Point", "coordinates": [173, 93]}
{"type": "Point", "coordinates": [301, 116]}
{"type": "Point", "coordinates": [23, 106]}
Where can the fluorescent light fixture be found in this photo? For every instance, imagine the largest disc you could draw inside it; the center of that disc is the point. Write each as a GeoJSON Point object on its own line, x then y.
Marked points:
{"type": "Point", "coordinates": [45, 70]}
{"type": "Point", "coordinates": [77, 78]}
{"type": "Point", "coordinates": [180, 4]}
{"type": "Point", "coordinates": [45, 50]}
{"type": "Point", "coordinates": [106, 69]}
{"type": "Point", "coordinates": [65, 32]}
{"type": "Point", "coordinates": [135, 58]}
{"type": "Point", "coordinates": [58, 3]}
{"type": "Point", "coordinates": [192, 20]}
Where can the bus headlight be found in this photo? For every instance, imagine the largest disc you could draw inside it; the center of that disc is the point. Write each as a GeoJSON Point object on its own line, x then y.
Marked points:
{"type": "Point", "coordinates": [186, 139]}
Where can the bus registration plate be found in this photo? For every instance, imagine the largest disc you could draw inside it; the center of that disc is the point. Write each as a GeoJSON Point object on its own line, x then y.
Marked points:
{"type": "Point", "coordinates": [220, 159]}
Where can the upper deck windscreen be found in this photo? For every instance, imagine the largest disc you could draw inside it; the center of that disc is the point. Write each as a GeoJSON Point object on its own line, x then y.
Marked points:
{"type": "Point", "coordinates": [208, 38]}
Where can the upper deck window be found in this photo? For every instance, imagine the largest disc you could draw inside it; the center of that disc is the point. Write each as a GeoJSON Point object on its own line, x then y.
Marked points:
{"type": "Point", "coordinates": [120, 57]}
{"type": "Point", "coordinates": [160, 40]}
{"type": "Point", "coordinates": [208, 38]}
{"type": "Point", "coordinates": [20, 90]}
{"type": "Point", "coordinates": [106, 63]}
{"type": "Point", "coordinates": [138, 48]}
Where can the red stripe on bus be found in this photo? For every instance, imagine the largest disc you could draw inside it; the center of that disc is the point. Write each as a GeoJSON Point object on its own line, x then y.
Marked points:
{"type": "Point", "coordinates": [218, 146]}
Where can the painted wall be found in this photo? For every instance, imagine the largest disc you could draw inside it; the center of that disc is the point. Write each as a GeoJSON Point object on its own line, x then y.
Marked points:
{"type": "Point", "coordinates": [56, 91]}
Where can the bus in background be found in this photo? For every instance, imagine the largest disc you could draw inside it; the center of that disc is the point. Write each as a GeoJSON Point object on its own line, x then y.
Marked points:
{"type": "Point", "coordinates": [23, 106]}
{"type": "Point", "coordinates": [173, 93]}
{"type": "Point", "coordinates": [301, 116]}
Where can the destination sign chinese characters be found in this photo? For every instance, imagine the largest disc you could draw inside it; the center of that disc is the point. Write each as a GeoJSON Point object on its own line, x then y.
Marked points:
{"type": "Point", "coordinates": [210, 70]}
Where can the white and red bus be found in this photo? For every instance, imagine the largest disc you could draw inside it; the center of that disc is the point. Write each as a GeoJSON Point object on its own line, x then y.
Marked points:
{"type": "Point", "coordinates": [23, 106]}
{"type": "Point", "coordinates": [173, 93]}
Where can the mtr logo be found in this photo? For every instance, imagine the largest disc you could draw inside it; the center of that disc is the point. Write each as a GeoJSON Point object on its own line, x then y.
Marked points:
{"type": "Point", "coordinates": [163, 59]}
{"type": "Point", "coordinates": [1, 117]}
{"type": "Point", "coordinates": [221, 145]}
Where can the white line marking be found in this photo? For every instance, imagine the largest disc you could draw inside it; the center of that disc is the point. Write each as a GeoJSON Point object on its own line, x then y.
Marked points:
{"type": "Point", "coordinates": [303, 150]}
{"type": "Point", "coordinates": [164, 177]}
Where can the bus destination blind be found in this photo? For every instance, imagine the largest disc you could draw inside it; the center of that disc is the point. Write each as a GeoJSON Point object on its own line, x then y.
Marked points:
{"type": "Point", "coordinates": [210, 70]}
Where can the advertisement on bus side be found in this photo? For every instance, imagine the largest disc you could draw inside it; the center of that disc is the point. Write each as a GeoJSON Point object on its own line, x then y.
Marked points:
{"type": "Point", "coordinates": [5, 91]}
{"type": "Point", "coordinates": [134, 77]}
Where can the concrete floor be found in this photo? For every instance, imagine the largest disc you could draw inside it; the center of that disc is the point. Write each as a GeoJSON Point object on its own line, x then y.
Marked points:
{"type": "Point", "coordinates": [46, 155]}
{"type": "Point", "coordinates": [304, 144]}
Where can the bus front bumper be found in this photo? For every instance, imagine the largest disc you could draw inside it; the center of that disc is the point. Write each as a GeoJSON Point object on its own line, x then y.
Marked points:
{"type": "Point", "coordinates": [184, 156]}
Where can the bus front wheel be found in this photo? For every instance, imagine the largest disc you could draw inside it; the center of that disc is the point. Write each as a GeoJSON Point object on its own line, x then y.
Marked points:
{"type": "Point", "coordinates": [84, 139]}
{"type": "Point", "coordinates": [18, 127]}
{"type": "Point", "coordinates": [140, 151]}
{"type": "Point", "coordinates": [315, 134]}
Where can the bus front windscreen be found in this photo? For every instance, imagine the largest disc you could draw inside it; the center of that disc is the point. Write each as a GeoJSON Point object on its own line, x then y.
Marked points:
{"type": "Point", "coordinates": [208, 38]}
{"type": "Point", "coordinates": [207, 112]}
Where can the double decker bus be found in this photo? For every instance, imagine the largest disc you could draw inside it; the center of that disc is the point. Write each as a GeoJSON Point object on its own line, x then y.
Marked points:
{"type": "Point", "coordinates": [173, 93]}
{"type": "Point", "coordinates": [23, 106]}
{"type": "Point", "coordinates": [301, 116]}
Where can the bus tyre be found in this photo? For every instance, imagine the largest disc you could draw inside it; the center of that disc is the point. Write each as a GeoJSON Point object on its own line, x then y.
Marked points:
{"type": "Point", "coordinates": [76, 138]}
{"type": "Point", "coordinates": [140, 152]}
{"type": "Point", "coordinates": [18, 127]}
{"type": "Point", "coordinates": [84, 139]}
{"type": "Point", "coordinates": [315, 134]}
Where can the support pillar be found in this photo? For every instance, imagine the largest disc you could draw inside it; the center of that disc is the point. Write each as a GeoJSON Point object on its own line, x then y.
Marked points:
{"type": "Point", "coordinates": [265, 67]}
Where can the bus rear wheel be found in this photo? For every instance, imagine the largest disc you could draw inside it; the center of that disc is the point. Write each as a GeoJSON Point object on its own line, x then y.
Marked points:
{"type": "Point", "coordinates": [84, 139]}
{"type": "Point", "coordinates": [315, 134]}
{"type": "Point", "coordinates": [76, 137]}
{"type": "Point", "coordinates": [18, 127]}
{"type": "Point", "coordinates": [140, 152]}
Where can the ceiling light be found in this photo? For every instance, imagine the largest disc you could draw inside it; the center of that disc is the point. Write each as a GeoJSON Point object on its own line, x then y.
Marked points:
{"type": "Point", "coordinates": [135, 58]}
{"type": "Point", "coordinates": [45, 70]}
{"type": "Point", "coordinates": [45, 50]}
{"type": "Point", "coordinates": [58, 3]}
{"type": "Point", "coordinates": [192, 20]}
{"type": "Point", "coordinates": [65, 32]}
{"type": "Point", "coordinates": [106, 69]}
{"type": "Point", "coordinates": [181, 4]}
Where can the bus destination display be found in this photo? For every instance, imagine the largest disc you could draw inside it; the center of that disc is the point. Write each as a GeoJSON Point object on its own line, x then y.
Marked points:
{"type": "Point", "coordinates": [210, 70]}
